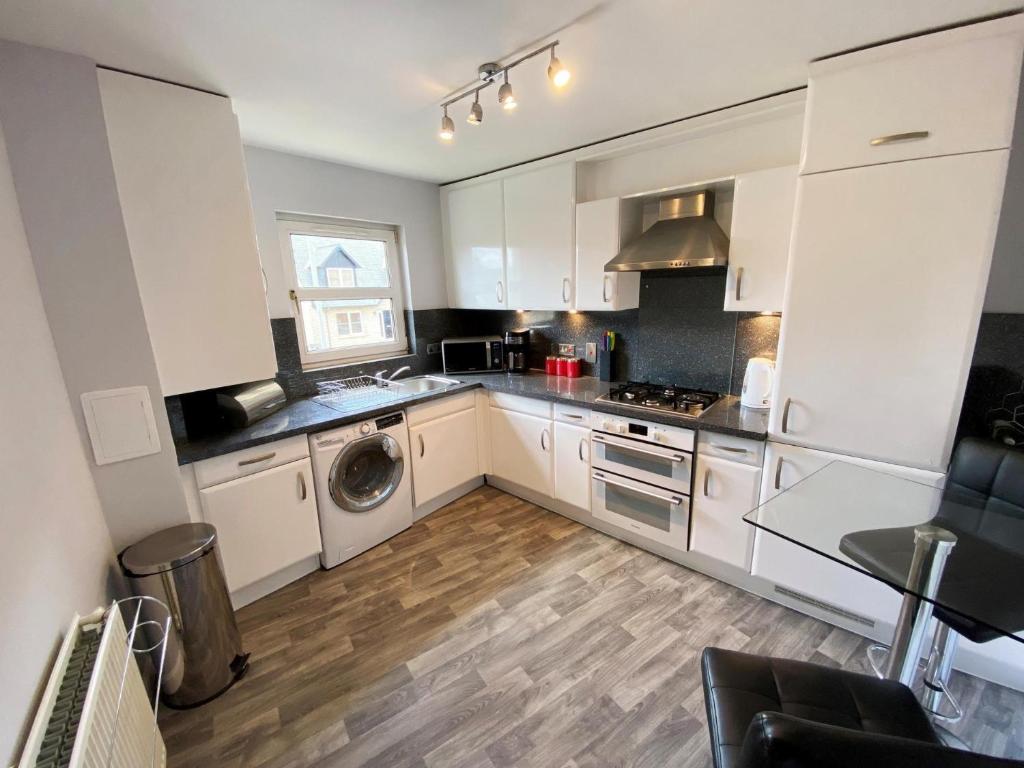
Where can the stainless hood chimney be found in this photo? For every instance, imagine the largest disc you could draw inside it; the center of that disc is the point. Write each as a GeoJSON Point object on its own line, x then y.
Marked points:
{"type": "Point", "coordinates": [685, 235]}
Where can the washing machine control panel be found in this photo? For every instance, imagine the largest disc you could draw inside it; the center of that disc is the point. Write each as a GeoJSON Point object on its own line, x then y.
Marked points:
{"type": "Point", "coordinates": [389, 421]}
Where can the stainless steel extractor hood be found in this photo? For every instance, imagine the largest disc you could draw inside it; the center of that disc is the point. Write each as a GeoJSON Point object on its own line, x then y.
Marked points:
{"type": "Point", "coordinates": [685, 235]}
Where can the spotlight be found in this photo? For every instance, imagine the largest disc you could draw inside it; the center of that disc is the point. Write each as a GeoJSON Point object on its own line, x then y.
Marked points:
{"type": "Point", "coordinates": [476, 112]}
{"type": "Point", "coordinates": [506, 98]}
{"type": "Point", "coordinates": [447, 132]}
{"type": "Point", "coordinates": [557, 72]}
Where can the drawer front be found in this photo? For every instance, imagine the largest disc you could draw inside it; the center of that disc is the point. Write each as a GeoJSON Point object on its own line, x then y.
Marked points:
{"type": "Point", "coordinates": [738, 449]}
{"type": "Point", "coordinates": [641, 509]}
{"type": "Point", "coordinates": [925, 97]}
{"type": "Point", "coordinates": [230, 466]}
{"type": "Point", "coordinates": [572, 414]}
{"type": "Point", "coordinates": [436, 409]}
{"type": "Point", "coordinates": [527, 405]}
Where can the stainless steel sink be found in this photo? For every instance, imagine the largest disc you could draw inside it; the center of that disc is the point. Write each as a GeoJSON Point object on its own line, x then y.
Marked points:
{"type": "Point", "coordinates": [416, 385]}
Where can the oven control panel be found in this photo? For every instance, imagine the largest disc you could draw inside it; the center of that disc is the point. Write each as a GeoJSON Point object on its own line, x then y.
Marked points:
{"type": "Point", "coordinates": [651, 432]}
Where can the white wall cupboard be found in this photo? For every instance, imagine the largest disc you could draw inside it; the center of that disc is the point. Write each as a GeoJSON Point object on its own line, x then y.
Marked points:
{"type": "Point", "coordinates": [181, 179]}
{"type": "Point", "coordinates": [475, 230]}
{"type": "Point", "coordinates": [444, 452]}
{"type": "Point", "coordinates": [724, 491]}
{"type": "Point", "coordinates": [572, 464]}
{"type": "Point", "coordinates": [762, 219]}
{"type": "Point", "coordinates": [602, 228]}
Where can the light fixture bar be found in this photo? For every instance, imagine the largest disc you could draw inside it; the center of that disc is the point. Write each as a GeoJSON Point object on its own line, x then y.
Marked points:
{"type": "Point", "coordinates": [498, 73]}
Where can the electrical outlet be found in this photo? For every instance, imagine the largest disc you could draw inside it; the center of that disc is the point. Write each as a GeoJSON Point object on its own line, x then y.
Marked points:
{"type": "Point", "coordinates": [591, 354]}
{"type": "Point", "coordinates": [567, 350]}
{"type": "Point", "coordinates": [434, 349]}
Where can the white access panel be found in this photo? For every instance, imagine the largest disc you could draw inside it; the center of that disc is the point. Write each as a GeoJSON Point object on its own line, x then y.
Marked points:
{"type": "Point", "coordinates": [121, 424]}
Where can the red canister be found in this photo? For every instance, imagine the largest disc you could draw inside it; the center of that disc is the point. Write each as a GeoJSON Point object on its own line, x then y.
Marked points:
{"type": "Point", "coordinates": [551, 365]}
{"type": "Point", "coordinates": [562, 366]}
{"type": "Point", "coordinates": [573, 367]}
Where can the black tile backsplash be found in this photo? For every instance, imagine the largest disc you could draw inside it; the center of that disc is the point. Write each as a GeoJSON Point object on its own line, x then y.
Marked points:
{"type": "Point", "coordinates": [994, 386]}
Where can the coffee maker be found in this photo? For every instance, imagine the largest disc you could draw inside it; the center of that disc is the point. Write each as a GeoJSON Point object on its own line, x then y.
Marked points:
{"type": "Point", "coordinates": [517, 351]}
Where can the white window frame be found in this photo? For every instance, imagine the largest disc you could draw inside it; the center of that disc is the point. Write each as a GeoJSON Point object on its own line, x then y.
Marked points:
{"type": "Point", "coordinates": [400, 346]}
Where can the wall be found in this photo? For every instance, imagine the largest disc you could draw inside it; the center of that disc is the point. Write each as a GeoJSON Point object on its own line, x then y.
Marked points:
{"type": "Point", "coordinates": [64, 179]}
{"type": "Point", "coordinates": [280, 182]}
{"type": "Point", "coordinates": [55, 552]}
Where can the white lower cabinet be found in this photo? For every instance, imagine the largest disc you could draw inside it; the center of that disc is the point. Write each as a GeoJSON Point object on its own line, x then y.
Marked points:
{"type": "Point", "coordinates": [522, 449]}
{"type": "Point", "coordinates": [724, 491]}
{"type": "Point", "coordinates": [265, 521]}
{"type": "Point", "coordinates": [572, 465]}
{"type": "Point", "coordinates": [444, 454]}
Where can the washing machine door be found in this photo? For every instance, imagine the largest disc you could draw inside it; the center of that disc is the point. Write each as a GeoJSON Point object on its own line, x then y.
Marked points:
{"type": "Point", "coordinates": [366, 473]}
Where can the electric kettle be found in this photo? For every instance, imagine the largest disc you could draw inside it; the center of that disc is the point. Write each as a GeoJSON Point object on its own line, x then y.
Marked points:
{"type": "Point", "coordinates": [757, 383]}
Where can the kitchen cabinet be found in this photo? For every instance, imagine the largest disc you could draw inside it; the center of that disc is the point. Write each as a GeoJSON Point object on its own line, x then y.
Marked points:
{"type": "Point", "coordinates": [539, 209]}
{"type": "Point", "coordinates": [521, 449]}
{"type": "Point", "coordinates": [602, 228]}
{"type": "Point", "coordinates": [265, 521]}
{"type": "Point", "coordinates": [938, 94]}
{"type": "Point", "coordinates": [572, 464]}
{"type": "Point", "coordinates": [725, 490]}
{"type": "Point", "coordinates": [475, 232]}
{"type": "Point", "coordinates": [762, 219]}
{"type": "Point", "coordinates": [444, 453]}
{"type": "Point", "coordinates": [887, 276]}
{"type": "Point", "coordinates": [184, 194]}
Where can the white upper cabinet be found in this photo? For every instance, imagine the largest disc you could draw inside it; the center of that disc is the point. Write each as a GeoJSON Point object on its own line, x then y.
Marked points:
{"type": "Point", "coordinates": [887, 276]}
{"type": "Point", "coordinates": [539, 208]}
{"type": "Point", "coordinates": [184, 194]}
{"type": "Point", "coordinates": [602, 228]}
{"type": "Point", "coordinates": [762, 219]}
{"type": "Point", "coordinates": [939, 94]}
{"type": "Point", "coordinates": [475, 228]}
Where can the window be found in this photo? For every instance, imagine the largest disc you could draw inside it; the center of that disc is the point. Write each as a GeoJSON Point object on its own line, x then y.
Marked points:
{"type": "Point", "coordinates": [346, 285]}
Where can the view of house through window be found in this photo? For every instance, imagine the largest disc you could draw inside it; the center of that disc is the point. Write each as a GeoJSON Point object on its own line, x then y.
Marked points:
{"type": "Point", "coordinates": [346, 284]}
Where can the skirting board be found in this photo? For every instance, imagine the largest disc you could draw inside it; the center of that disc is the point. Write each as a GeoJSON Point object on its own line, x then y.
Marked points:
{"type": "Point", "coordinates": [274, 581]}
{"type": "Point", "coordinates": [446, 498]}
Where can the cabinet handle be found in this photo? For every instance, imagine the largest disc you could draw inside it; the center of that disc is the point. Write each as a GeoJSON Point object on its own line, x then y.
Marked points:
{"type": "Point", "coordinates": [778, 474]}
{"type": "Point", "coordinates": [423, 447]}
{"type": "Point", "coordinates": [892, 138]}
{"type": "Point", "coordinates": [785, 415]}
{"type": "Point", "coordinates": [739, 281]}
{"type": "Point", "coordinates": [302, 486]}
{"type": "Point", "coordinates": [572, 416]}
{"type": "Point", "coordinates": [499, 292]}
{"type": "Point", "coordinates": [604, 288]}
{"type": "Point", "coordinates": [543, 439]}
{"type": "Point", "coordinates": [730, 449]}
{"type": "Point", "coordinates": [707, 477]}
{"type": "Point", "coordinates": [257, 459]}
{"type": "Point", "coordinates": [566, 290]}
{"type": "Point", "coordinates": [582, 441]}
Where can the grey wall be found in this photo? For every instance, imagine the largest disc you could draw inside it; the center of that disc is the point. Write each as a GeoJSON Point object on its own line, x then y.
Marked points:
{"type": "Point", "coordinates": [285, 183]}
{"type": "Point", "coordinates": [57, 143]}
{"type": "Point", "coordinates": [55, 552]}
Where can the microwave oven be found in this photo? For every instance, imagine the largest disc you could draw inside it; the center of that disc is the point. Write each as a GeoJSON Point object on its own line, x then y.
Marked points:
{"type": "Point", "coordinates": [474, 354]}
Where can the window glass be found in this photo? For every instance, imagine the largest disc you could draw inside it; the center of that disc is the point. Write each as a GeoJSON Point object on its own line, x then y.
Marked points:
{"type": "Point", "coordinates": [325, 261]}
{"type": "Point", "coordinates": [339, 324]}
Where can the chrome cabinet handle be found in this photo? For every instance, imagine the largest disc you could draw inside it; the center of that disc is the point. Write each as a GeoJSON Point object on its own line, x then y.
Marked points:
{"type": "Point", "coordinates": [785, 415]}
{"type": "Point", "coordinates": [566, 290]}
{"type": "Point", "coordinates": [582, 441]}
{"type": "Point", "coordinates": [707, 477]}
{"type": "Point", "coordinates": [739, 281]}
{"type": "Point", "coordinates": [257, 459]}
{"type": "Point", "coordinates": [674, 457]}
{"type": "Point", "coordinates": [302, 487]}
{"type": "Point", "coordinates": [673, 500]}
{"type": "Point", "coordinates": [572, 416]}
{"type": "Point", "coordinates": [604, 288]}
{"type": "Point", "coordinates": [730, 449]}
{"type": "Point", "coordinates": [892, 138]}
{"type": "Point", "coordinates": [778, 474]}
{"type": "Point", "coordinates": [423, 447]}
{"type": "Point", "coordinates": [499, 292]}
{"type": "Point", "coordinates": [543, 439]}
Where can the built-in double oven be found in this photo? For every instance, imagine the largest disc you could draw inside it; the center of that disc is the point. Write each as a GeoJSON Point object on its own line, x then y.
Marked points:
{"type": "Point", "coordinates": [641, 476]}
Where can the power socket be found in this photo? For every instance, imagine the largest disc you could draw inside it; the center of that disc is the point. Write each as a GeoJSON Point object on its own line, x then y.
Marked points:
{"type": "Point", "coordinates": [591, 353]}
{"type": "Point", "coordinates": [567, 350]}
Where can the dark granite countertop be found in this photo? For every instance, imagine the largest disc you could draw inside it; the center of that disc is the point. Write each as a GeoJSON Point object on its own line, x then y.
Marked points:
{"type": "Point", "coordinates": [301, 417]}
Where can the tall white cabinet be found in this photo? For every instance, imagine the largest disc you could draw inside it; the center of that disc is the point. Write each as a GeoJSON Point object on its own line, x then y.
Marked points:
{"type": "Point", "coordinates": [475, 229]}
{"type": "Point", "coordinates": [181, 178]}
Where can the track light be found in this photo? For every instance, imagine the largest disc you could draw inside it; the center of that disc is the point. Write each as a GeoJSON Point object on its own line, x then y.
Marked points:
{"type": "Point", "coordinates": [447, 132]}
{"type": "Point", "coordinates": [476, 112]}
{"type": "Point", "coordinates": [557, 72]}
{"type": "Point", "coordinates": [506, 98]}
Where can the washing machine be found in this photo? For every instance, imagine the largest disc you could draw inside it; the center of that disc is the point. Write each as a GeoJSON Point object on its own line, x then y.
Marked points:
{"type": "Point", "coordinates": [363, 485]}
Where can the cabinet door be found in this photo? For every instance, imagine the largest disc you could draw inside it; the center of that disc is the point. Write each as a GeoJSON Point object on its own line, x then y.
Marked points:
{"type": "Point", "coordinates": [265, 522]}
{"type": "Point", "coordinates": [444, 454]}
{"type": "Point", "coordinates": [476, 247]}
{"type": "Point", "coordinates": [181, 179]}
{"type": "Point", "coordinates": [762, 219]}
{"type": "Point", "coordinates": [521, 449]}
{"type": "Point", "coordinates": [572, 465]}
{"type": "Point", "coordinates": [886, 282]}
{"type": "Point", "coordinates": [539, 208]}
{"type": "Point", "coordinates": [724, 492]}
{"type": "Point", "coordinates": [602, 226]}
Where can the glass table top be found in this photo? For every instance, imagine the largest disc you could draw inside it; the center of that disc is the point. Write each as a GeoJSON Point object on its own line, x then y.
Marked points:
{"type": "Point", "coordinates": [865, 520]}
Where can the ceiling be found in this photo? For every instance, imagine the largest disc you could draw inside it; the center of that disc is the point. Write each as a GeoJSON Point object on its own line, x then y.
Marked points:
{"type": "Point", "coordinates": [359, 81]}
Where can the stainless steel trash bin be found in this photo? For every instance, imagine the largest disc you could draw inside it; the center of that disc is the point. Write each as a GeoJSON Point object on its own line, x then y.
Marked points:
{"type": "Point", "coordinates": [181, 567]}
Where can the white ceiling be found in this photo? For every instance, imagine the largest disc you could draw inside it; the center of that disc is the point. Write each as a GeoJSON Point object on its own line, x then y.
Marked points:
{"type": "Point", "coordinates": [358, 81]}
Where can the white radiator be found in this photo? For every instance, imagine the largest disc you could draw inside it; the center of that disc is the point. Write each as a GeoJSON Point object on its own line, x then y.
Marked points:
{"type": "Point", "coordinates": [95, 712]}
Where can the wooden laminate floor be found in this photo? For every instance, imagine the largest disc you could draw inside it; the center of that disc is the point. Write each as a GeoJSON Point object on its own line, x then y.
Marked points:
{"type": "Point", "coordinates": [494, 633]}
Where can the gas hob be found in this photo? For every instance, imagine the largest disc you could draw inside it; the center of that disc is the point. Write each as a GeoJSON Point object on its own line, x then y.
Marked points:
{"type": "Point", "coordinates": [682, 401]}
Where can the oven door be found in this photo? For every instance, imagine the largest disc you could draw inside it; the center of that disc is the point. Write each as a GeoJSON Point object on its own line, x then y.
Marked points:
{"type": "Point", "coordinates": [646, 510]}
{"type": "Point", "coordinates": [647, 462]}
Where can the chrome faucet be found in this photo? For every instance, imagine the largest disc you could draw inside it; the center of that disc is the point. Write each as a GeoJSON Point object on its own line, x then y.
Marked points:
{"type": "Point", "coordinates": [403, 369]}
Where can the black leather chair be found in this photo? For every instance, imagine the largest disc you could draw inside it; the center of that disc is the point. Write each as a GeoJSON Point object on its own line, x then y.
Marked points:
{"type": "Point", "coordinates": [787, 714]}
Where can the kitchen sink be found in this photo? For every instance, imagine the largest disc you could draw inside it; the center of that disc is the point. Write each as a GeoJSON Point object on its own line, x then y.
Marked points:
{"type": "Point", "coordinates": [419, 384]}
